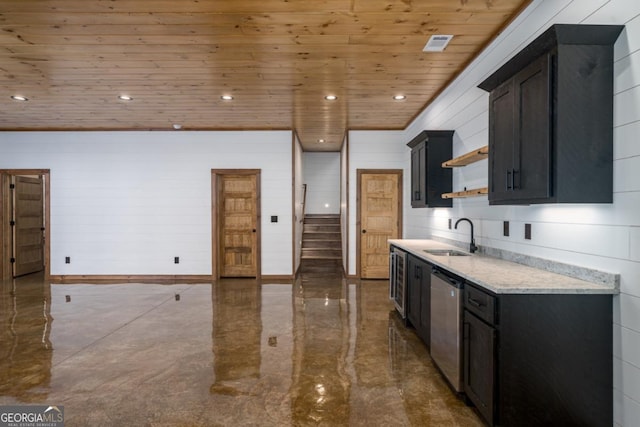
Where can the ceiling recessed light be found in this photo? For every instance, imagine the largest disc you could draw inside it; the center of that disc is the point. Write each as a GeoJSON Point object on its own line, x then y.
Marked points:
{"type": "Point", "coordinates": [19, 98]}
{"type": "Point", "coordinates": [125, 98]}
{"type": "Point", "coordinates": [226, 97]}
{"type": "Point", "coordinates": [399, 97]}
{"type": "Point", "coordinates": [331, 97]}
{"type": "Point", "coordinates": [177, 126]}
{"type": "Point", "coordinates": [321, 141]}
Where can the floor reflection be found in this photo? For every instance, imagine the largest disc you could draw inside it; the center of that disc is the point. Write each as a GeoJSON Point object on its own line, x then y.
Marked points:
{"type": "Point", "coordinates": [25, 346]}
{"type": "Point", "coordinates": [237, 328]}
{"type": "Point", "coordinates": [320, 351]}
{"type": "Point", "coordinates": [321, 384]}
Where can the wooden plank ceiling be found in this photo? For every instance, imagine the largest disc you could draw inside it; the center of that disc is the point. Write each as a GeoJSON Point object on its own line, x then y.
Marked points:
{"type": "Point", "coordinates": [277, 58]}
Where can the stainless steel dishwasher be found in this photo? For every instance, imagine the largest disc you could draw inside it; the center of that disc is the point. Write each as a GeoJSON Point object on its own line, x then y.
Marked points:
{"type": "Point", "coordinates": [446, 325]}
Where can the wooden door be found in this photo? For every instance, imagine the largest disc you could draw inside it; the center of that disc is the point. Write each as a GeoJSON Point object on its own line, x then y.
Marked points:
{"type": "Point", "coordinates": [379, 212]}
{"type": "Point", "coordinates": [238, 225]}
{"type": "Point", "coordinates": [28, 226]}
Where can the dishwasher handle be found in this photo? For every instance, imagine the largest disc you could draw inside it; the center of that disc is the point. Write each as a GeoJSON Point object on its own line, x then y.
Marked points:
{"type": "Point", "coordinates": [453, 281]}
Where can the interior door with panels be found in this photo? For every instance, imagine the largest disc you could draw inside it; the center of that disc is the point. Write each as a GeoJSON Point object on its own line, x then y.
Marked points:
{"type": "Point", "coordinates": [237, 225]}
{"type": "Point", "coordinates": [24, 222]}
{"type": "Point", "coordinates": [379, 214]}
{"type": "Point", "coordinates": [28, 225]}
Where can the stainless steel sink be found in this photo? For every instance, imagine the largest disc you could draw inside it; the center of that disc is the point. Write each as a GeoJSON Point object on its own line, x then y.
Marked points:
{"type": "Point", "coordinates": [446, 252]}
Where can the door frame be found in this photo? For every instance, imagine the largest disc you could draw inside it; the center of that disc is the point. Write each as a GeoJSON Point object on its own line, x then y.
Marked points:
{"type": "Point", "coordinates": [216, 175]}
{"type": "Point", "coordinates": [6, 236]}
{"type": "Point", "coordinates": [359, 173]}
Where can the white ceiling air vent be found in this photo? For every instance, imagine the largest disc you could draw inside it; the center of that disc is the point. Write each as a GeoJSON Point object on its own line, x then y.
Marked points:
{"type": "Point", "coordinates": [437, 43]}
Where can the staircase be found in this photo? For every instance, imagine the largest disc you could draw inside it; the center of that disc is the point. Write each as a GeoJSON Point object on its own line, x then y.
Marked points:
{"type": "Point", "coordinates": [321, 238]}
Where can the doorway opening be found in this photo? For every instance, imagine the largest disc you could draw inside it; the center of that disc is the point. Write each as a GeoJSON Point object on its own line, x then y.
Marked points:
{"type": "Point", "coordinates": [24, 222]}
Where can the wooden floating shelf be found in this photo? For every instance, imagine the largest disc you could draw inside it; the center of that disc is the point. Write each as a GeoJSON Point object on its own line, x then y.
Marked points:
{"type": "Point", "coordinates": [466, 193]}
{"type": "Point", "coordinates": [467, 159]}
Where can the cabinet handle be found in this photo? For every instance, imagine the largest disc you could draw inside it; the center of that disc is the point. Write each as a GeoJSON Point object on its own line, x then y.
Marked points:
{"type": "Point", "coordinates": [418, 272]}
{"type": "Point", "coordinates": [508, 180]}
{"type": "Point", "coordinates": [475, 302]}
{"type": "Point", "coordinates": [513, 180]}
{"type": "Point", "coordinates": [416, 195]}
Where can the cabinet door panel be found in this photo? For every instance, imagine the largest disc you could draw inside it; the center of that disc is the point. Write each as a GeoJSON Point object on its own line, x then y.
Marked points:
{"type": "Point", "coordinates": [418, 178]}
{"type": "Point", "coordinates": [424, 330]}
{"type": "Point", "coordinates": [532, 169]}
{"type": "Point", "coordinates": [479, 364]}
{"type": "Point", "coordinates": [501, 137]}
{"type": "Point", "coordinates": [413, 292]}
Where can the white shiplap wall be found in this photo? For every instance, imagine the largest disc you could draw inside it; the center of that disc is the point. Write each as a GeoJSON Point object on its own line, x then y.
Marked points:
{"type": "Point", "coordinates": [344, 201]}
{"type": "Point", "coordinates": [128, 202]}
{"type": "Point", "coordinates": [298, 201]}
{"type": "Point", "coordinates": [604, 237]}
{"type": "Point", "coordinates": [322, 176]}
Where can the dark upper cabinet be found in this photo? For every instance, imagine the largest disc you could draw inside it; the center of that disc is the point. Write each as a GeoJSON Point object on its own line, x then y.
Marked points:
{"type": "Point", "coordinates": [551, 119]}
{"type": "Point", "coordinates": [429, 180]}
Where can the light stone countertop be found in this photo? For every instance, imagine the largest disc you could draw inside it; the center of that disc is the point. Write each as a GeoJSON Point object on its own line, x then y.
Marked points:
{"type": "Point", "coordinates": [501, 276]}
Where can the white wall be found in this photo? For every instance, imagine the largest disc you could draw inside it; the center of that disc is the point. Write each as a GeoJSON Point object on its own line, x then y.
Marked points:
{"type": "Point", "coordinates": [129, 202]}
{"type": "Point", "coordinates": [344, 201]}
{"type": "Point", "coordinates": [322, 176]}
{"type": "Point", "coordinates": [372, 150]}
{"type": "Point", "coordinates": [298, 201]}
{"type": "Point", "coordinates": [604, 237]}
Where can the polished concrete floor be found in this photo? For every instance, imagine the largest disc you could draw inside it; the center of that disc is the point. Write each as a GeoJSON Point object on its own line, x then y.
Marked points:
{"type": "Point", "coordinates": [320, 351]}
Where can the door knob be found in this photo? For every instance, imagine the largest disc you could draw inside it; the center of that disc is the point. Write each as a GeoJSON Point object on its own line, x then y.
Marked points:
{"type": "Point", "coordinates": [254, 230]}
{"type": "Point", "coordinates": [364, 231]}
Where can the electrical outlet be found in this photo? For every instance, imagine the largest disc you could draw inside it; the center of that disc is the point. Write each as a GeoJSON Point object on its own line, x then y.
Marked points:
{"type": "Point", "coordinates": [505, 228]}
{"type": "Point", "coordinates": [176, 260]}
{"type": "Point", "coordinates": [527, 231]}
{"type": "Point", "coordinates": [274, 218]}
{"type": "Point", "coordinates": [67, 260]}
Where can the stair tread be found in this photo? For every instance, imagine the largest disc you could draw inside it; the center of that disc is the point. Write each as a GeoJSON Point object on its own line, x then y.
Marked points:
{"type": "Point", "coordinates": [321, 257]}
{"type": "Point", "coordinates": [323, 230]}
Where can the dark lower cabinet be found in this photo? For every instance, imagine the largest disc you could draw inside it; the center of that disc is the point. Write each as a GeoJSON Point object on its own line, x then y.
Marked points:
{"type": "Point", "coordinates": [539, 359]}
{"type": "Point", "coordinates": [419, 295]}
{"type": "Point", "coordinates": [479, 364]}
